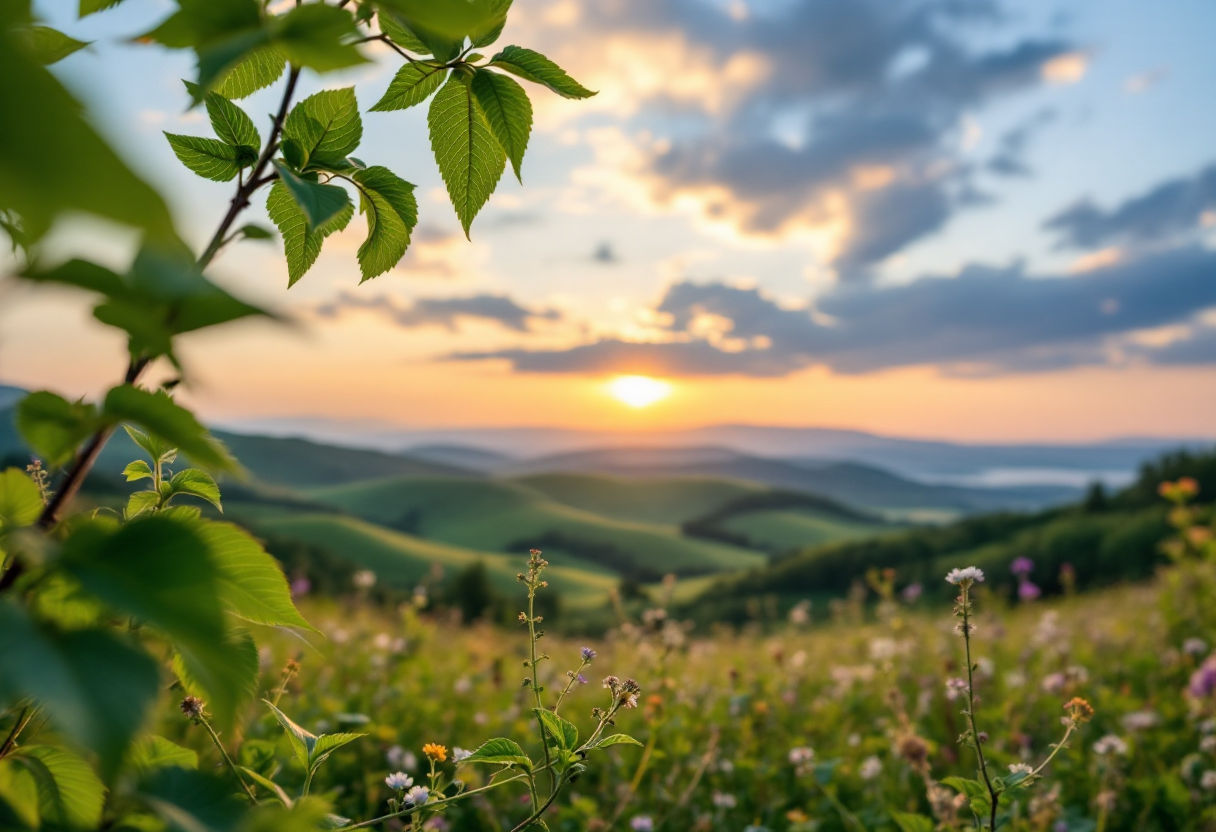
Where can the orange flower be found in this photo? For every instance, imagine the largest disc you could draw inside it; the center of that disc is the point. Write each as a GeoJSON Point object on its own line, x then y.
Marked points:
{"type": "Point", "coordinates": [1079, 710]}
{"type": "Point", "coordinates": [435, 752]}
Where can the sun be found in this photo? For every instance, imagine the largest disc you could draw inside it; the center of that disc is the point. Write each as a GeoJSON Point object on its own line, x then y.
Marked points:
{"type": "Point", "coordinates": [638, 391]}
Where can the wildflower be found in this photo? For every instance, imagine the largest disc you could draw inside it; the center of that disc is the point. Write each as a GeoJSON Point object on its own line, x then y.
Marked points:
{"type": "Point", "coordinates": [1110, 745]}
{"type": "Point", "coordinates": [612, 683]}
{"type": "Point", "coordinates": [300, 586]}
{"type": "Point", "coordinates": [582, 680]}
{"type": "Point", "coordinates": [724, 800]}
{"type": "Point", "coordinates": [955, 688]}
{"type": "Point", "coordinates": [363, 579]}
{"type": "Point", "coordinates": [1208, 781]}
{"type": "Point", "coordinates": [1028, 591]}
{"type": "Point", "coordinates": [642, 823]}
{"type": "Point", "coordinates": [966, 577]}
{"type": "Point", "coordinates": [969, 630]}
{"type": "Point", "coordinates": [1203, 680]}
{"type": "Point", "coordinates": [1020, 768]}
{"type": "Point", "coordinates": [1021, 566]}
{"type": "Point", "coordinates": [912, 592]}
{"type": "Point", "coordinates": [399, 781]}
{"type": "Point", "coordinates": [1079, 710]}
{"type": "Point", "coordinates": [462, 685]}
{"type": "Point", "coordinates": [435, 752]}
{"type": "Point", "coordinates": [800, 613]}
{"type": "Point", "coordinates": [1054, 682]}
{"type": "Point", "coordinates": [801, 755]}
{"type": "Point", "coordinates": [871, 767]}
{"type": "Point", "coordinates": [1194, 647]}
{"type": "Point", "coordinates": [587, 654]}
{"type": "Point", "coordinates": [436, 824]}
{"type": "Point", "coordinates": [1208, 744]}
{"type": "Point", "coordinates": [417, 796]}
{"type": "Point", "coordinates": [1141, 720]}
{"type": "Point", "coordinates": [459, 755]}
{"type": "Point", "coordinates": [192, 707]}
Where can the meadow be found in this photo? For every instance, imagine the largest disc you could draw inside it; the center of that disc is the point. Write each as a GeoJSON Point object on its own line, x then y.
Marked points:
{"type": "Point", "coordinates": [838, 722]}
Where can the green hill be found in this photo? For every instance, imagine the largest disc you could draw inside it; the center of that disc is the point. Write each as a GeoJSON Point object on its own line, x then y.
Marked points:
{"type": "Point", "coordinates": [402, 560]}
{"type": "Point", "coordinates": [501, 515]}
{"type": "Point", "coordinates": [656, 500]}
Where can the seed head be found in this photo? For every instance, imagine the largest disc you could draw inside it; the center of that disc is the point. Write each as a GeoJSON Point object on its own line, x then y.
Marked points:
{"type": "Point", "coordinates": [1079, 710]}
{"type": "Point", "coordinates": [192, 707]}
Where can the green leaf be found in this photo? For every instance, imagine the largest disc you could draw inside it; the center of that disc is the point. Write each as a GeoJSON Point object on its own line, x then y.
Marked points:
{"type": "Point", "coordinates": [252, 585]}
{"type": "Point", "coordinates": [138, 470]}
{"type": "Point", "coordinates": [444, 24]}
{"type": "Point", "coordinates": [86, 175]}
{"type": "Point", "coordinates": [400, 34]}
{"type": "Point", "coordinates": [320, 203]}
{"type": "Point", "coordinates": [268, 784]}
{"type": "Point", "coordinates": [308, 814]}
{"type": "Point", "coordinates": [54, 427]}
{"type": "Point", "coordinates": [209, 158]}
{"type": "Point", "coordinates": [975, 791]}
{"type": "Point", "coordinates": [489, 29]}
{"type": "Point", "coordinates": [151, 752]}
{"type": "Point", "coordinates": [62, 670]}
{"type": "Point", "coordinates": [19, 791]}
{"type": "Point", "coordinates": [911, 822]}
{"type": "Point", "coordinates": [69, 792]}
{"type": "Point", "coordinates": [140, 503]}
{"type": "Point", "coordinates": [327, 744]}
{"type": "Point", "coordinates": [191, 801]}
{"type": "Point", "coordinates": [159, 415]}
{"type": "Point", "coordinates": [256, 232]}
{"type": "Point", "coordinates": [508, 113]}
{"type": "Point", "coordinates": [232, 124]}
{"type": "Point", "coordinates": [88, 7]}
{"type": "Point", "coordinates": [412, 84]}
{"type": "Point", "coordinates": [257, 70]}
{"type": "Point", "coordinates": [560, 730]}
{"type": "Point", "coordinates": [614, 739]}
{"type": "Point", "coordinates": [302, 741]}
{"type": "Point", "coordinates": [326, 126]}
{"type": "Point", "coordinates": [301, 243]}
{"type": "Point", "coordinates": [470, 159]}
{"type": "Point", "coordinates": [158, 449]}
{"type": "Point", "coordinates": [500, 751]}
{"type": "Point", "coordinates": [46, 45]}
{"type": "Point", "coordinates": [223, 673]}
{"type": "Point", "coordinates": [196, 483]}
{"type": "Point", "coordinates": [319, 37]}
{"type": "Point", "coordinates": [81, 274]}
{"type": "Point", "coordinates": [535, 67]}
{"type": "Point", "coordinates": [392, 212]}
{"type": "Point", "coordinates": [20, 501]}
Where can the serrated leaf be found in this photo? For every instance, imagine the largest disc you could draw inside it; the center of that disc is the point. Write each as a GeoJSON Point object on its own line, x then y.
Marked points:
{"type": "Point", "coordinates": [320, 203]}
{"type": "Point", "coordinates": [69, 793]}
{"type": "Point", "coordinates": [489, 30]}
{"type": "Point", "coordinates": [301, 243]}
{"type": "Point", "coordinates": [257, 70]}
{"type": "Point", "coordinates": [140, 503]}
{"type": "Point", "coordinates": [326, 126]}
{"type": "Point", "coordinates": [400, 34]}
{"type": "Point", "coordinates": [392, 212]}
{"type": "Point", "coordinates": [318, 36]}
{"type": "Point", "coordinates": [560, 730]}
{"type": "Point", "coordinates": [535, 67]}
{"type": "Point", "coordinates": [412, 84]}
{"type": "Point", "coordinates": [500, 751]}
{"type": "Point", "coordinates": [327, 744]}
{"type": "Point", "coordinates": [223, 673]}
{"type": "Point", "coordinates": [151, 752]}
{"type": "Point", "coordinates": [268, 784]}
{"type": "Point", "coordinates": [252, 585]}
{"type": "Point", "coordinates": [53, 427]}
{"type": "Point", "coordinates": [508, 113]}
{"type": "Point", "coordinates": [302, 741]}
{"type": "Point", "coordinates": [614, 739]}
{"type": "Point", "coordinates": [46, 45]}
{"type": "Point", "coordinates": [138, 470]}
{"type": "Point", "coordinates": [19, 792]}
{"type": "Point", "coordinates": [232, 124]}
{"type": "Point", "coordinates": [158, 449]}
{"type": "Point", "coordinates": [88, 7]}
{"type": "Point", "coordinates": [20, 501]}
{"type": "Point", "coordinates": [209, 158]}
{"type": "Point", "coordinates": [159, 415]}
{"type": "Point", "coordinates": [61, 670]}
{"type": "Point", "coordinates": [470, 159]}
{"type": "Point", "coordinates": [196, 483]}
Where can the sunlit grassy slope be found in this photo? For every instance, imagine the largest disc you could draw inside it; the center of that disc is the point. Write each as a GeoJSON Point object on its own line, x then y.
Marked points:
{"type": "Point", "coordinates": [403, 560]}
{"type": "Point", "coordinates": [501, 515]}
{"type": "Point", "coordinates": [787, 529]}
{"type": "Point", "coordinates": [659, 500]}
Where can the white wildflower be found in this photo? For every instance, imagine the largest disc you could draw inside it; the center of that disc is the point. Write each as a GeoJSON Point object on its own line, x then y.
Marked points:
{"type": "Point", "coordinates": [966, 577]}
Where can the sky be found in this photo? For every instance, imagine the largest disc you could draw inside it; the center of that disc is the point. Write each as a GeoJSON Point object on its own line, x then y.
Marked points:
{"type": "Point", "coordinates": [975, 221]}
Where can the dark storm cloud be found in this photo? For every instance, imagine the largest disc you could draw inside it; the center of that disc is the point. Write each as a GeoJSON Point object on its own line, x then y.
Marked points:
{"type": "Point", "coordinates": [982, 321]}
{"type": "Point", "coordinates": [1167, 211]}
{"type": "Point", "coordinates": [873, 83]}
{"type": "Point", "coordinates": [442, 312]}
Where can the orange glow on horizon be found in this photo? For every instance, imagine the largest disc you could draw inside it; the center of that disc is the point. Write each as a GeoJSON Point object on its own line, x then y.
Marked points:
{"type": "Point", "coordinates": [638, 391]}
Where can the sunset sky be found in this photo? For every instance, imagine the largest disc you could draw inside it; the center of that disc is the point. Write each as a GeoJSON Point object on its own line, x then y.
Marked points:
{"type": "Point", "coordinates": [962, 220]}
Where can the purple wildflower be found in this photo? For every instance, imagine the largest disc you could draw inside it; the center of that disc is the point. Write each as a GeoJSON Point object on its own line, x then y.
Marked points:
{"type": "Point", "coordinates": [1028, 591]}
{"type": "Point", "coordinates": [587, 654]}
{"type": "Point", "coordinates": [300, 586]}
{"type": "Point", "coordinates": [912, 592]}
{"type": "Point", "coordinates": [1021, 566]}
{"type": "Point", "coordinates": [1203, 680]}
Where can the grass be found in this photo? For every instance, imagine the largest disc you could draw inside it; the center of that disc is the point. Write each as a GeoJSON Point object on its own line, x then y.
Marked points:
{"type": "Point", "coordinates": [783, 530]}
{"type": "Point", "coordinates": [655, 500]}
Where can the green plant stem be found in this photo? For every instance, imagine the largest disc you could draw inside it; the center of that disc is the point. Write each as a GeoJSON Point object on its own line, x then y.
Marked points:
{"type": "Point", "coordinates": [544, 737]}
{"type": "Point", "coordinates": [1055, 749]}
{"type": "Point", "coordinates": [540, 810]}
{"type": "Point", "coordinates": [573, 681]}
{"type": "Point", "coordinates": [215, 738]}
{"type": "Point", "coordinates": [993, 795]}
{"type": "Point", "coordinates": [10, 742]}
{"type": "Point", "coordinates": [404, 812]}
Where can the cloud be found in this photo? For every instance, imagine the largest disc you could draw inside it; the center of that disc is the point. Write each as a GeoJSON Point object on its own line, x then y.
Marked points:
{"type": "Point", "coordinates": [847, 88]}
{"type": "Point", "coordinates": [1168, 211]}
{"type": "Point", "coordinates": [984, 321]}
{"type": "Point", "coordinates": [605, 253]}
{"type": "Point", "coordinates": [1010, 158]}
{"type": "Point", "coordinates": [441, 312]}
